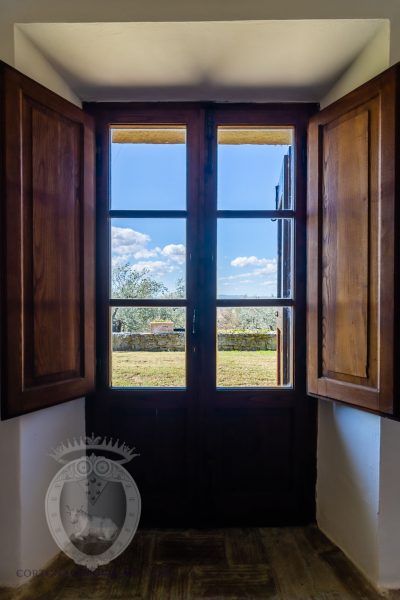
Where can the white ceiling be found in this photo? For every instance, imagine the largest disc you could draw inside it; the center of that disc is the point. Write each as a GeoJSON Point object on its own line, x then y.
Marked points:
{"type": "Point", "coordinates": [270, 60]}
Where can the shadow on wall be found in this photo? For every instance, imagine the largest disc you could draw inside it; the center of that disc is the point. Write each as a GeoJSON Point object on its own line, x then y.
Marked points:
{"type": "Point", "coordinates": [348, 482]}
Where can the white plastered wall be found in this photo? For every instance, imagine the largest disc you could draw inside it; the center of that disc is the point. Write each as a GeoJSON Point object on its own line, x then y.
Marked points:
{"type": "Point", "coordinates": [32, 63]}
{"type": "Point", "coordinates": [374, 59]}
{"type": "Point", "coordinates": [26, 471]}
{"type": "Point", "coordinates": [348, 456]}
{"type": "Point", "coordinates": [40, 432]}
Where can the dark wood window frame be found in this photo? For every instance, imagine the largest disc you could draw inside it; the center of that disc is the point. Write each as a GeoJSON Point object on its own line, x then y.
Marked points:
{"type": "Point", "coordinates": [203, 448]}
{"type": "Point", "coordinates": [202, 121]}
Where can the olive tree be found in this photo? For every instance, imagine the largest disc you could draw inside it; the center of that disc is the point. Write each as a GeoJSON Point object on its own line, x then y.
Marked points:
{"type": "Point", "coordinates": [243, 318]}
{"type": "Point", "coordinates": [127, 282]}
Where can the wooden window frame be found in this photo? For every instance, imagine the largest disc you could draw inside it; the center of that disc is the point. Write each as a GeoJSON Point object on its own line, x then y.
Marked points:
{"type": "Point", "coordinates": [205, 122]}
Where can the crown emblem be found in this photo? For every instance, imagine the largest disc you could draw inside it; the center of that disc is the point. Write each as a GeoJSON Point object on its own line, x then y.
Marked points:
{"type": "Point", "coordinates": [85, 444]}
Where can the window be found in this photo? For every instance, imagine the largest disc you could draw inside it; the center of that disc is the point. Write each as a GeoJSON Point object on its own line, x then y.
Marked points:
{"type": "Point", "coordinates": [211, 383]}
{"type": "Point", "coordinates": [198, 278]}
{"type": "Point", "coordinates": [254, 256]}
{"type": "Point", "coordinates": [148, 256]}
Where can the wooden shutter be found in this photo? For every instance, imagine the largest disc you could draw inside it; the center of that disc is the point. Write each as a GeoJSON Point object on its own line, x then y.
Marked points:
{"type": "Point", "coordinates": [351, 247]}
{"type": "Point", "coordinates": [47, 254]}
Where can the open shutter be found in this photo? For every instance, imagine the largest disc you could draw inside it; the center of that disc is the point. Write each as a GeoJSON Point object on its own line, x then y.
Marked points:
{"type": "Point", "coordinates": [351, 247]}
{"type": "Point", "coordinates": [47, 231]}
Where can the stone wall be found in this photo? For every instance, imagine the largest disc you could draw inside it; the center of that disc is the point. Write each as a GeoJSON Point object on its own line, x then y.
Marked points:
{"type": "Point", "coordinates": [149, 342]}
{"type": "Point", "coordinates": [175, 342]}
{"type": "Point", "coordinates": [247, 341]}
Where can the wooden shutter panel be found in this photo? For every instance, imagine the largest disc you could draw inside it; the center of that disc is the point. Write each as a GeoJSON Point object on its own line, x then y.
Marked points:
{"type": "Point", "coordinates": [351, 247]}
{"type": "Point", "coordinates": [47, 228]}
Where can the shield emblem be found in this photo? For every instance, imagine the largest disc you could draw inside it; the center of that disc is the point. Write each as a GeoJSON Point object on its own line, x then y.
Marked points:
{"type": "Point", "coordinates": [92, 510]}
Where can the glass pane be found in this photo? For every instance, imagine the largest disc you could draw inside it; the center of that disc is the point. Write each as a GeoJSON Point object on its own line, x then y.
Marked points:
{"type": "Point", "coordinates": [254, 347]}
{"type": "Point", "coordinates": [254, 258]}
{"type": "Point", "coordinates": [148, 168]}
{"type": "Point", "coordinates": [255, 168]}
{"type": "Point", "coordinates": [148, 258]}
{"type": "Point", "coordinates": [148, 347]}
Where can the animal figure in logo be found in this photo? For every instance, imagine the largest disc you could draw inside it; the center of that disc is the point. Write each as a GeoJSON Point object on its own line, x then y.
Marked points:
{"type": "Point", "coordinates": [102, 528]}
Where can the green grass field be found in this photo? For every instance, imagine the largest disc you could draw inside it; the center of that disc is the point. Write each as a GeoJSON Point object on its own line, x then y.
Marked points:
{"type": "Point", "coordinates": [167, 369]}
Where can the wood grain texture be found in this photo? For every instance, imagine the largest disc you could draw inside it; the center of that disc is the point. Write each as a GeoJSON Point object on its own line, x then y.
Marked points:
{"type": "Point", "coordinates": [223, 564]}
{"type": "Point", "coordinates": [52, 215]}
{"type": "Point", "coordinates": [352, 184]}
{"type": "Point", "coordinates": [48, 342]}
{"type": "Point", "coordinates": [345, 247]}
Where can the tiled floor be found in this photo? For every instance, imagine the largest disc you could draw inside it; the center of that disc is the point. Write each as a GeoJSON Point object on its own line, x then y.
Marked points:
{"type": "Point", "coordinates": [230, 564]}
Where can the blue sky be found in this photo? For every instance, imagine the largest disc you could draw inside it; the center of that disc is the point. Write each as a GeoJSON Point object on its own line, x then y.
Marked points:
{"type": "Point", "coordinates": [153, 176]}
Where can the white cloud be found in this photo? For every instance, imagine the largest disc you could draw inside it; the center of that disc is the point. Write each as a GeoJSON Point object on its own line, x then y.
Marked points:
{"type": "Point", "coordinates": [130, 246]}
{"type": "Point", "coordinates": [261, 277]}
{"type": "Point", "coordinates": [245, 261]}
{"type": "Point", "coordinates": [126, 241]}
{"type": "Point", "coordinates": [154, 267]}
{"type": "Point", "coordinates": [268, 273]}
{"type": "Point", "coordinates": [269, 265]}
{"type": "Point", "coordinates": [146, 253]}
{"type": "Point", "coordinates": [175, 252]}
{"type": "Point", "coordinates": [117, 261]}
{"type": "Point", "coordinates": [269, 269]}
{"type": "Point", "coordinates": [238, 277]}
